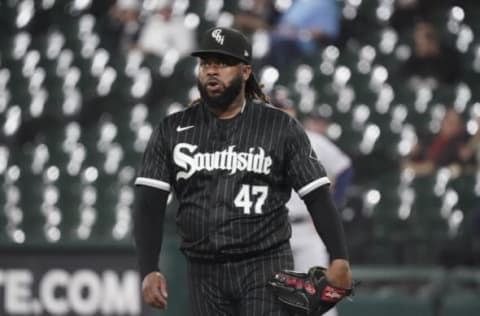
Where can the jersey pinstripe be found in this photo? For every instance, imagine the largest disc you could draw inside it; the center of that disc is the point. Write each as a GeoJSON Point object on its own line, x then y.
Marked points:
{"type": "Point", "coordinates": [231, 177]}
{"type": "Point", "coordinates": [222, 289]}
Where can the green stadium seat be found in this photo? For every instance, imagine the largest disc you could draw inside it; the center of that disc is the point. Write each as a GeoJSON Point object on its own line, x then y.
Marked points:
{"type": "Point", "coordinates": [3, 216]}
{"type": "Point", "coordinates": [390, 223]}
{"type": "Point", "coordinates": [69, 204]}
{"type": "Point", "coordinates": [385, 203]}
{"type": "Point", "coordinates": [32, 195]}
{"type": "Point", "coordinates": [107, 193]}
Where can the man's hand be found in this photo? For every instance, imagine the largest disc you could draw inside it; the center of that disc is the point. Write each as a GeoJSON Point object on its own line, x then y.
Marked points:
{"type": "Point", "coordinates": [154, 290]}
{"type": "Point", "coordinates": [311, 293]}
{"type": "Point", "coordinates": [339, 274]}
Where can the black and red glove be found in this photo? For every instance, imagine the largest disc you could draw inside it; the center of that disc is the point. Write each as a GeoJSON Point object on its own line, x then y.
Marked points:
{"type": "Point", "coordinates": [307, 293]}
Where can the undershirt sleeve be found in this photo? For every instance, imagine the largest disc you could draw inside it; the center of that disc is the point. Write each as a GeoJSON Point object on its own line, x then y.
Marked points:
{"type": "Point", "coordinates": [148, 220]}
{"type": "Point", "coordinates": [327, 221]}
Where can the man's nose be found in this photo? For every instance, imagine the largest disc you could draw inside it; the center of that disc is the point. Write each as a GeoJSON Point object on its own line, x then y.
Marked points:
{"type": "Point", "coordinates": [212, 68]}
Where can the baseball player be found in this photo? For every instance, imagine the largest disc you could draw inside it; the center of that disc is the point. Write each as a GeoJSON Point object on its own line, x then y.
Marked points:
{"type": "Point", "coordinates": [304, 242]}
{"type": "Point", "coordinates": [231, 159]}
{"type": "Point", "coordinates": [308, 249]}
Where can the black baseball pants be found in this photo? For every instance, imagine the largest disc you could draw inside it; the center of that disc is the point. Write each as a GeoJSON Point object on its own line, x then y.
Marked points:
{"type": "Point", "coordinates": [239, 287]}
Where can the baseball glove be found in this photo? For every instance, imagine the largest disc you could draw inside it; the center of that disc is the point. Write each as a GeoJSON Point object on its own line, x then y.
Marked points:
{"type": "Point", "coordinates": [307, 293]}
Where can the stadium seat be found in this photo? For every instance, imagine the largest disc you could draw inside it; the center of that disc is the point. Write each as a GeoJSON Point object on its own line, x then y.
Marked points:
{"type": "Point", "coordinates": [107, 189]}
{"type": "Point", "coordinates": [387, 204]}
{"type": "Point", "coordinates": [386, 213]}
{"type": "Point", "coordinates": [31, 198]}
{"type": "Point", "coordinates": [3, 216]}
{"type": "Point", "coordinates": [69, 204]}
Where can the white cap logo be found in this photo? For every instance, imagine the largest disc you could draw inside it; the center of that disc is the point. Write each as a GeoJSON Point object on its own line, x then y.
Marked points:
{"type": "Point", "coordinates": [217, 35]}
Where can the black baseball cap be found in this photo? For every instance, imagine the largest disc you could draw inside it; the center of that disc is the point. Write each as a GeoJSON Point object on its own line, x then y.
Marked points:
{"type": "Point", "coordinates": [225, 41]}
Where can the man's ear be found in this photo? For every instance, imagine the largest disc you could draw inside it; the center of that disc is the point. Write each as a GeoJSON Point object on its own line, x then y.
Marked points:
{"type": "Point", "coordinates": [246, 71]}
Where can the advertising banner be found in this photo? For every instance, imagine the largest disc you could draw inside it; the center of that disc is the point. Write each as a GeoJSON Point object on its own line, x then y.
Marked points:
{"type": "Point", "coordinates": [70, 283]}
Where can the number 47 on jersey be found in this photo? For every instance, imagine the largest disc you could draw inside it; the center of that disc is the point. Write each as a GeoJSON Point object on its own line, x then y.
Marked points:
{"type": "Point", "coordinates": [251, 196]}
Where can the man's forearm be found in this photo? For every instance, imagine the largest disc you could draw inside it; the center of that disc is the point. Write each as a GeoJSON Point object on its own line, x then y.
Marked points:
{"type": "Point", "coordinates": [148, 226]}
{"type": "Point", "coordinates": [327, 221]}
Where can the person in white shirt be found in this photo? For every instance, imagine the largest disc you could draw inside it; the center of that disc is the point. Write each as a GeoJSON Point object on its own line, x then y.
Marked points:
{"type": "Point", "coordinates": [307, 246]}
{"type": "Point", "coordinates": [165, 30]}
{"type": "Point", "coordinates": [308, 249]}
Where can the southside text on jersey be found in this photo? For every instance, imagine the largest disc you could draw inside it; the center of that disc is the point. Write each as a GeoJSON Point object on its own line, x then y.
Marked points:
{"type": "Point", "coordinates": [185, 156]}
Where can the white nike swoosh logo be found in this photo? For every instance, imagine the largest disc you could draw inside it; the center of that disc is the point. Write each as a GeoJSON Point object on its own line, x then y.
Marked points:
{"type": "Point", "coordinates": [184, 128]}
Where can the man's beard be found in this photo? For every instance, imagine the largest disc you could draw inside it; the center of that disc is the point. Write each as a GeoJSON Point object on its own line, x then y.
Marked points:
{"type": "Point", "coordinates": [224, 99]}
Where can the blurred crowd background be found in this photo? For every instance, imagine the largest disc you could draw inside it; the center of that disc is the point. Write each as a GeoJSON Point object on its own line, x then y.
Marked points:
{"type": "Point", "coordinates": [393, 83]}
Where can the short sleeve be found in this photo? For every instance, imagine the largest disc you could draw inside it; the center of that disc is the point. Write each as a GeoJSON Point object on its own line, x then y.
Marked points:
{"type": "Point", "coordinates": [304, 170]}
{"type": "Point", "coordinates": [154, 170]}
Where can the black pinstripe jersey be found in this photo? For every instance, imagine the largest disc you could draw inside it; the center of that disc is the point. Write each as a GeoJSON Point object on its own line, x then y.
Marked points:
{"type": "Point", "coordinates": [231, 177]}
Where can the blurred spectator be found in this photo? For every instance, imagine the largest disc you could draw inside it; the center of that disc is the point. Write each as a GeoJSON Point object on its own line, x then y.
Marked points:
{"type": "Point", "coordinates": [446, 148]}
{"type": "Point", "coordinates": [301, 29]}
{"type": "Point", "coordinates": [472, 149]}
{"type": "Point", "coordinates": [337, 163]}
{"type": "Point", "coordinates": [260, 15]}
{"type": "Point", "coordinates": [470, 152]}
{"type": "Point", "coordinates": [406, 12]}
{"type": "Point", "coordinates": [165, 30]}
{"type": "Point", "coordinates": [315, 123]}
{"type": "Point", "coordinates": [430, 58]}
{"type": "Point", "coordinates": [122, 25]}
{"type": "Point", "coordinates": [101, 8]}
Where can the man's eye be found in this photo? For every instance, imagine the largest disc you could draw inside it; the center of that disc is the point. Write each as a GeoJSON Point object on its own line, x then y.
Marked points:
{"type": "Point", "coordinates": [217, 64]}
